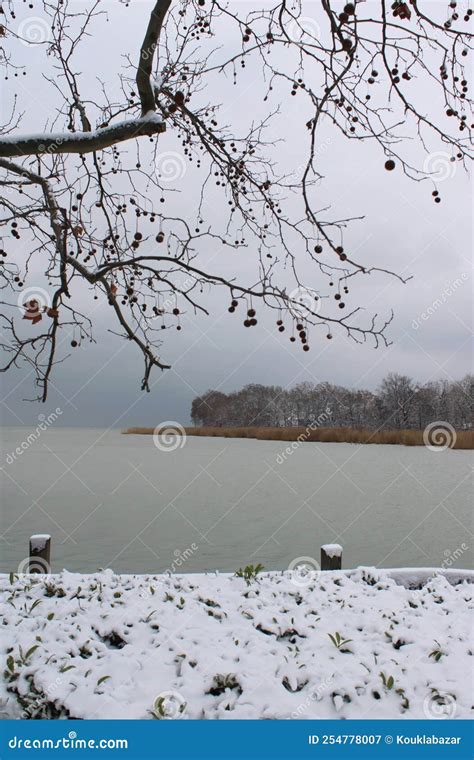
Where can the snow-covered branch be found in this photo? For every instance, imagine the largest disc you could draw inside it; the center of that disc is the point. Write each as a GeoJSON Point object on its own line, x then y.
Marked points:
{"type": "Point", "coordinates": [81, 142]}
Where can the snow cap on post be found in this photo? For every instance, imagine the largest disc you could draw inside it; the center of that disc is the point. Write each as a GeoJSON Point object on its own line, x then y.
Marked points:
{"type": "Point", "coordinates": [331, 557]}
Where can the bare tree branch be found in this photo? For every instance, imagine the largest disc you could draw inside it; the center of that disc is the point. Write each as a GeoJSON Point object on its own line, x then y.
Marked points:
{"type": "Point", "coordinates": [92, 204]}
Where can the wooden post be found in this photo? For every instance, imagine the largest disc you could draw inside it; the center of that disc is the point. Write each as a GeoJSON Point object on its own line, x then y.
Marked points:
{"type": "Point", "coordinates": [40, 553]}
{"type": "Point", "coordinates": [331, 557]}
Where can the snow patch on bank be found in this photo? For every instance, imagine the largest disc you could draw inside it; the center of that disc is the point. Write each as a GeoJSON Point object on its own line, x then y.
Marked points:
{"type": "Point", "coordinates": [349, 644]}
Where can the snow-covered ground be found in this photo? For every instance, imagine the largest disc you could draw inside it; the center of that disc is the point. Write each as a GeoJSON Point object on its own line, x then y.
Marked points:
{"type": "Point", "coordinates": [341, 644]}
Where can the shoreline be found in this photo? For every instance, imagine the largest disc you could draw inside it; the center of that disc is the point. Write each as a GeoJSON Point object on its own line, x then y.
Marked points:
{"type": "Point", "coordinates": [440, 437]}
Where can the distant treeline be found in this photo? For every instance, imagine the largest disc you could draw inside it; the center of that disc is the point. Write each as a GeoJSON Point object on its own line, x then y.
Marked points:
{"type": "Point", "coordinates": [398, 404]}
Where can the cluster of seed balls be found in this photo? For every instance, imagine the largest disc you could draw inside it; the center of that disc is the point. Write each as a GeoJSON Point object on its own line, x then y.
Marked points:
{"type": "Point", "coordinates": [251, 321]}
{"type": "Point", "coordinates": [455, 16]}
{"type": "Point", "coordinates": [302, 336]}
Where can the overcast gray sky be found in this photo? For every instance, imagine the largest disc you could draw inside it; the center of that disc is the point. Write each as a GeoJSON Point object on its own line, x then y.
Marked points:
{"type": "Point", "coordinates": [403, 231]}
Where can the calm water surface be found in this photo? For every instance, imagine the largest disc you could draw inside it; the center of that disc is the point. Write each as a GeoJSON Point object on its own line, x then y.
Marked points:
{"type": "Point", "coordinates": [111, 500]}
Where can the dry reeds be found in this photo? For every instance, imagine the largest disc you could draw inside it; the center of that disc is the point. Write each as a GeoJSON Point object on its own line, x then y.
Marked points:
{"type": "Point", "coordinates": [464, 439]}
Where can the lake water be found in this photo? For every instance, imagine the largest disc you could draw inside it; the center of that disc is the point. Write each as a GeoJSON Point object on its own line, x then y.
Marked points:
{"type": "Point", "coordinates": [111, 500]}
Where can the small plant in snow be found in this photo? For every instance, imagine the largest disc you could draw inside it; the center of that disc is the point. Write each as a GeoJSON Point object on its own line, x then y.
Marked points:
{"type": "Point", "coordinates": [249, 572]}
{"type": "Point", "coordinates": [34, 702]}
{"type": "Point", "coordinates": [387, 682]}
{"type": "Point", "coordinates": [222, 682]}
{"type": "Point", "coordinates": [438, 653]}
{"type": "Point", "coordinates": [339, 642]}
{"type": "Point", "coordinates": [21, 659]}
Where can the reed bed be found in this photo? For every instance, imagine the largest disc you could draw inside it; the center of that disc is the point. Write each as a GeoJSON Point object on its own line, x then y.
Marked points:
{"type": "Point", "coordinates": [464, 439]}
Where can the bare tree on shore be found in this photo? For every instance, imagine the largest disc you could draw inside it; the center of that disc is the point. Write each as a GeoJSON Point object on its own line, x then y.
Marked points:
{"type": "Point", "coordinates": [398, 404]}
